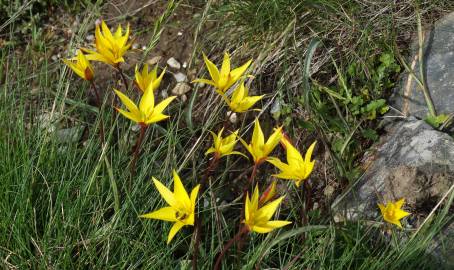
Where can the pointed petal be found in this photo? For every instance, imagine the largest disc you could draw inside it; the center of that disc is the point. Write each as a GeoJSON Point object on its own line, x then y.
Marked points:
{"type": "Point", "coordinates": [163, 104]}
{"type": "Point", "coordinates": [277, 223]}
{"type": "Point", "coordinates": [165, 213]}
{"type": "Point", "coordinates": [268, 210]}
{"type": "Point", "coordinates": [166, 194]}
{"type": "Point", "coordinates": [258, 139]}
{"type": "Point", "coordinates": [273, 141]}
{"type": "Point", "coordinates": [127, 102]}
{"type": "Point", "coordinates": [154, 118]}
{"type": "Point", "coordinates": [399, 214]}
{"type": "Point", "coordinates": [205, 81]}
{"type": "Point", "coordinates": [129, 115]}
{"type": "Point", "coordinates": [261, 229]}
{"type": "Point", "coordinates": [225, 68]}
{"type": "Point", "coordinates": [212, 69]}
{"type": "Point", "coordinates": [307, 157]}
{"type": "Point", "coordinates": [238, 72]}
{"type": "Point", "coordinates": [175, 228]}
{"type": "Point", "coordinates": [210, 150]}
{"type": "Point", "coordinates": [179, 192]}
{"type": "Point", "coordinates": [146, 104]}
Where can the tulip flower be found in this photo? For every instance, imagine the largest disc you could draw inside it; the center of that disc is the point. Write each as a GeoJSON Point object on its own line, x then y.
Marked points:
{"type": "Point", "coordinates": [258, 148]}
{"type": "Point", "coordinates": [296, 168]}
{"type": "Point", "coordinates": [222, 80]}
{"type": "Point", "coordinates": [258, 219]}
{"type": "Point", "coordinates": [81, 67]}
{"type": "Point", "coordinates": [110, 48]}
{"type": "Point", "coordinates": [146, 113]}
{"type": "Point", "coordinates": [240, 101]}
{"type": "Point", "coordinates": [144, 79]}
{"type": "Point", "coordinates": [393, 213]}
{"type": "Point", "coordinates": [223, 146]}
{"type": "Point", "coordinates": [181, 206]}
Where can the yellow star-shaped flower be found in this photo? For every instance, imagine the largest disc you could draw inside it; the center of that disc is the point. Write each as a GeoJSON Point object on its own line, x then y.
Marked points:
{"type": "Point", "coordinates": [296, 168]}
{"type": "Point", "coordinates": [393, 213]}
{"type": "Point", "coordinates": [223, 79]}
{"type": "Point", "coordinates": [223, 146]}
{"type": "Point", "coordinates": [258, 148]}
{"type": "Point", "coordinates": [81, 67]}
{"type": "Point", "coordinates": [146, 113]}
{"type": "Point", "coordinates": [240, 101]}
{"type": "Point", "coordinates": [144, 79]}
{"type": "Point", "coordinates": [257, 218]}
{"type": "Point", "coordinates": [181, 205]}
{"type": "Point", "coordinates": [110, 48]}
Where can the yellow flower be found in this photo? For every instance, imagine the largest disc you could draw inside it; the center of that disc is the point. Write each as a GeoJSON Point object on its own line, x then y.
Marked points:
{"type": "Point", "coordinates": [392, 212]}
{"type": "Point", "coordinates": [222, 80]}
{"type": "Point", "coordinates": [110, 48]}
{"type": "Point", "coordinates": [240, 101]}
{"type": "Point", "coordinates": [143, 79]}
{"type": "Point", "coordinates": [181, 206]}
{"type": "Point", "coordinates": [223, 146]}
{"type": "Point", "coordinates": [258, 148]}
{"type": "Point", "coordinates": [296, 168]}
{"type": "Point", "coordinates": [81, 67]}
{"type": "Point", "coordinates": [146, 113]}
{"type": "Point", "coordinates": [258, 219]}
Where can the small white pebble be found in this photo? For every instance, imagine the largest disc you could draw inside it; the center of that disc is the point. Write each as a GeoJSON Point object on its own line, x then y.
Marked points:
{"type": "Point", "coordinates": [185, 64]}
{"type": "Point", "coordinates": [184, 98]}
{"type": "Point", "coordinates": [180, 33]}
{"type": "Point", "coordinates": [180, 77]}
{"type": "Point", "coordinates": [144, 48]}
{"type": "Point", "coordinates": [90, 37]}
{"type": "Point", "coordinates": [233, 117]}
{"type": "Point", "coordinates": [164, 94]}
{"type": "Point", "coordinates": [135, 46]}
{"type": "Point", "coordinates": [173, 63]}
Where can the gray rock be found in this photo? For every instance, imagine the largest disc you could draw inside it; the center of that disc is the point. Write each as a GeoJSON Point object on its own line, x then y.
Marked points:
{"type": "Point", "coordinates": [180, 77]}
{"type": "Point", "coordinates": [438, 69]}
{"type": "Point", "coordinates": [181, 89]}
{"type": "Point", "coordinates": [173, 63]}
{"type": "Point", "coordinates": [70, 135]}
{"type": "Point", "coordinates": [413, 161]}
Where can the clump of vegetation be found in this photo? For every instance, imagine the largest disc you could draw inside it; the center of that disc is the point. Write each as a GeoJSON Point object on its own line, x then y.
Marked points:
{"type": "Point", "coordinates": [242, 199]}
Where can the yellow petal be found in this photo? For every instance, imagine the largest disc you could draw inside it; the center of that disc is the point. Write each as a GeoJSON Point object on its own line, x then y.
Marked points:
{"type": "Point", "coordinates": [165, 213]}
{"type": "Point", "coordinates": [238, 93]}
{"type": "Point", "coordinates": [238, 72]}
{"type": "Point", "coordinates": [400, 203]}
{"type": "Point", "coordinates": [225, 68]}
{"type": "Point", "coordinates": [163, 104]}
{"type": "Point", "coordinates": [210, 150]}
{"type": "Point", "coordinates": [179, 192]}
{"type": "Point", "coordinates": [130, 115]}
{"type": "Point", "coordinates": [166, 194]}
{"type": "Point", "coordinates": [156, 118]}
{"type": "Point", "coordinates": [146, 104]}
{"type": "Point", "coordinates": [307, 157]}
{"type": "Point", "coordinates": [157, 82]}
{"type": "Point", "coordinates": [399, 214]}
{"type": "Point", "coordinates": [277, 223]}
{"type": "Point", "coordinates": [127, 102]}
{"type": "Point", "coordinates": [261, 229]}
{"type": "Point", "coordinates": [205, 81]}
{"type": "Point", "coordinates": [273, 141]}
{"type": "Point", "coordinates": [258, 139]}
{"type": "Point", "coordinates": [247, 208]}
{"type": "Point", "coordinates": [268, 210]}
{"type": "Point", "coordinates": [212, 69]}
{"type": "Point", "coordinates": [175, 228]}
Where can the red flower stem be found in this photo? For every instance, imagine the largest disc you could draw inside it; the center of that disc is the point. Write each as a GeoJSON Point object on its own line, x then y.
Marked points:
{"type": "Point", "coordinates": [99, 104]}
{"type": "Point", "coordinates": [143, 128]}
{"type": "Point", "coordinates": [244, 230]}
{"type": "Point", "coordinates": [198, 219]}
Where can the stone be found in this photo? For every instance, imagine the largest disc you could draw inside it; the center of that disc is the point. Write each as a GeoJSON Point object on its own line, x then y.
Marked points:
{"type": "Point", "coordinates": [413, 161]}
{"type": "Point", "coordinates": [154, 60]}
{"type": "Point", "coordinates": [173, 63]}
{"type": "Point", "coordinates": [181, 89]}
{"type": "Point", "coordinates": [233, 117]}
{"type": "Point", "coordinates": [438, 67]}
{"type": "Point", "coordinates": [180, 77]}
{"type": "Point", "coordinates": [90, 38]}
{"type": "Point", "coordinates": [70, 135]}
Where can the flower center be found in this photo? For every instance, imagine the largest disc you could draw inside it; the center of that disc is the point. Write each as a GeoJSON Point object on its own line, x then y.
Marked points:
{"type": "Point", "coordinates": [180, 215]}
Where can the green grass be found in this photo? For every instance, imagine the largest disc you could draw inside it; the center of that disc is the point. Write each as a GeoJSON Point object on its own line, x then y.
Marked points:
{"type": "Point", "coordinates": [70, 206]}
